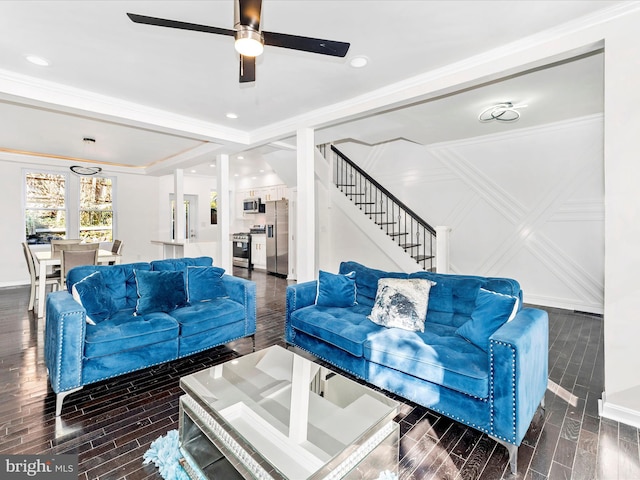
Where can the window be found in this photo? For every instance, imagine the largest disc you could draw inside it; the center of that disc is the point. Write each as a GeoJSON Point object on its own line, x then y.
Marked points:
{"type": "Point", "coordinates": [59, 206]}
{"type": "Point", "coordinates": [96, 209]}
{"type": "Point", "coordinates": [45, 207]}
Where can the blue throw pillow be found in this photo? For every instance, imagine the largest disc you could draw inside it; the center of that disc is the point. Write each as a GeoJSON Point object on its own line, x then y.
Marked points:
{"type": "Point", "coordinates": [492, 310]}
{"type": "Point", "coordinates": [205, 284]}
{"type": "Point", "coordinates": [91, 292]}
{"type": "Point", "coordinates": [336, 290]}
{"type": "Point", "coordinates": [162, 291]}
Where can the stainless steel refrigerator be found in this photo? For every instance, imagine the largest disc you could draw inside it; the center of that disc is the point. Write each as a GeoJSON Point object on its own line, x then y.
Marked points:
{"type": "Point", "coordinates": [277, 230]}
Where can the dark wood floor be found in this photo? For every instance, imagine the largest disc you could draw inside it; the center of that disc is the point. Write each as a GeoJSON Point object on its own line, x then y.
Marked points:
{"type": "Point", "coordinates": [111, 424]}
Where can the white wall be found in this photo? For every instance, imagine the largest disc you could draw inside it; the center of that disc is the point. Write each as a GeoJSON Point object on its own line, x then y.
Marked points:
{"type": "Point", "coordinates": [136, 215]}
{"type": "Point", "coordinates": [528, 204]}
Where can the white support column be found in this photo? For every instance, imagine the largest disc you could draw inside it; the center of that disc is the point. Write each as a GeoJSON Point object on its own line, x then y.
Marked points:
{"type": "Point", "coordinates": [443, 235]}
{"type": "Point", "coordinates": [224, 259]}
{"type": "Point", "coordinates": [178, 191]}
{"type": "Point", "coordinates": [305, 214]}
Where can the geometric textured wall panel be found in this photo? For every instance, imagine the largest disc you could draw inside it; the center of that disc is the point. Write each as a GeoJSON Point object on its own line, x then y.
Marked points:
{"type": "Point", "coordinates": [527, 204]}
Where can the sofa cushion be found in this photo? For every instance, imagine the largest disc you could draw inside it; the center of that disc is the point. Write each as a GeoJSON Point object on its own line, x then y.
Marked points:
{"type": "Point", "coordinates": [437, 355]}
{"type": "Point", "coordinates": [203, 316]}
{"type": "Point", "coordinates": [453, 299]}
{"type": "Point", "coordinates": [491, 312]}
{"type": "Point", "coordinates": [401, 303]}
{"type": "Point", "coordinates": [367, 280]}
{"type": "Point", "coordinates": [180, 264]}
{"type": "Point", "coordinates": [336, 290]}
{"type": "Point", "coordinates": [204, 284]}
{"type": "Point", "coordinates": [161, 291]}
{"type": "Point", "coordinates": [124, 331]}
{"type": "Point", "coordinates": [91, 292]}
{"type": "Point", "coordinates": [346, 328]}
{"type": "Point", "coordinates": [118, 279]}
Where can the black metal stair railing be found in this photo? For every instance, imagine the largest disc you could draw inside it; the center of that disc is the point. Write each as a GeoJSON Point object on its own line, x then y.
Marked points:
{"type": "Point", "coordinates": [397, 220]}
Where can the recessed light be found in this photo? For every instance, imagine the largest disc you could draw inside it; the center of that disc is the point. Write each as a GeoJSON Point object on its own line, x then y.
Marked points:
{"type": "Point", "coordinates": [359, 62]}
{"type": "Point", "coordinates": [193, 171]}
{"type": "Point", "coordinates": [240, 157]}
{"type": "Point", "coordinates": [212, 165]}
{"type": "Point", "coordinates": [261, 171]}
{"type": "Point", "coordinates": [232, 115]}
{"type": "Point", "coordinates": [36, 60]}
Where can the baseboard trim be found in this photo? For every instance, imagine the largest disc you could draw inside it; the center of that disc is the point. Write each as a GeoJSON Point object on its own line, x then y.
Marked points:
{"type": "Point", "coordinates": [618, 413]}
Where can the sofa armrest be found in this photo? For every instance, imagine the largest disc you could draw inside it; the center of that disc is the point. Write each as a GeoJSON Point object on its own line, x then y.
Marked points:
{"type": "Point", "coordinates": [64, 341]}
{"type": "Point", "coordinates": [298, 296]}
{"type": "Point", "coordinates": [519, 362]}
{"type": "Point", "coordinates": [244, 292]}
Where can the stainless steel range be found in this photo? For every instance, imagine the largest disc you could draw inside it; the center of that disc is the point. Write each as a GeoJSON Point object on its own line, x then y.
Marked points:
{"type": "Point", "coordinates": [241, 250]}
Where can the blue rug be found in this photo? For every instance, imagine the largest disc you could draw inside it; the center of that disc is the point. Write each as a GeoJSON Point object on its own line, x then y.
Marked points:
{"type": "Point", "coordinates": [164, 453]}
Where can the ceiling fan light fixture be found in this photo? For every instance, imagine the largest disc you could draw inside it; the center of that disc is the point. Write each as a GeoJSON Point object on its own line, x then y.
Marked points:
{"type": "Point", "coordinates": [249, 43]}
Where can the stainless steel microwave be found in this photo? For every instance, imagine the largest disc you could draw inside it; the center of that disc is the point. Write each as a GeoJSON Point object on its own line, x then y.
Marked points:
{"type": "Point", "coordinates": [251, 205]}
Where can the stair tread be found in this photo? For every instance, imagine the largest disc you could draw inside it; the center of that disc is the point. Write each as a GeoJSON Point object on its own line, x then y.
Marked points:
{"type": "Point", "coordinates": [375, 213]}
{"type": "Point", "coordinates": [410, 245]}
{"type": "Point", "coordinates": [420, 258]}
{"type": "Point", "coordinates": [365, 203]}
{"type": "Point", "coordinates": [386, 223]}
{"type": "Point", "coordinates": [397, 234]}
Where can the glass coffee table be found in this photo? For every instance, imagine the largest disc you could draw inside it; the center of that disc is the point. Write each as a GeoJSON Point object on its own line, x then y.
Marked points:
{"type": "Point", "coordinates": [274, 414]}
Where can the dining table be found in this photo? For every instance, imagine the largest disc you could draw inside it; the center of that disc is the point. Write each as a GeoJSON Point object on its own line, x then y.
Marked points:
{"type": "Point", "coordinates": [46, 259]}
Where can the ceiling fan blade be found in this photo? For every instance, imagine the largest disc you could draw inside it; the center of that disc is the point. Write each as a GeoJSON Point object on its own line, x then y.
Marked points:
{"type": "Point", "coordinates": [247, 69]}
{"type": "Point", "coordinates": [162, 22]}
{"type": "Point", "coordinates": [249, 13]}
{"type": "Point", "coordinates": [306, 44]}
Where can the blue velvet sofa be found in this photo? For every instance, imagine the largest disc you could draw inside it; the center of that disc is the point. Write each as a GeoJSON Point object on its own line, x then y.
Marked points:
{"type": "Point", "coordinates": [494, 383]}
{"type": "Point", "coordinates": [115, 319]}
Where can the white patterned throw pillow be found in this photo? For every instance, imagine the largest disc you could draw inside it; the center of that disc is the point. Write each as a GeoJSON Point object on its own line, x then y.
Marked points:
{"type": "Point", "coordinates": [401, 303]}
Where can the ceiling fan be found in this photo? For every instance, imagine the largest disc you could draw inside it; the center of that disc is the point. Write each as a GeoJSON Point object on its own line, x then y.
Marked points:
{"type": "Point", "coordinates": [249, 39]}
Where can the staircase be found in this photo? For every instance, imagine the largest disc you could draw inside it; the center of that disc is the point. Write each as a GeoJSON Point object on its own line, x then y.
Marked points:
{"type": "Point", "coordinates": [415, 236]}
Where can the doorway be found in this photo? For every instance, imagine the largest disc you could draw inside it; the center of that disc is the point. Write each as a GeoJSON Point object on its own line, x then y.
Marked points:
{"type": "Point", "coordinates": [191, 216]}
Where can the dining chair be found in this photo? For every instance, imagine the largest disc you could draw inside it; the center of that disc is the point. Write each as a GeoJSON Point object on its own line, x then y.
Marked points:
{"type": "Point", "coordinates": [116, 248]}
{"type": "Point", "coordinates": [57, 245]}
{"type": "Point", "coordinates": [33, 274]}
{"type": "Point", "coordinates": [79, 246]}
{"type": "Point", "coordinates": [70, 258]}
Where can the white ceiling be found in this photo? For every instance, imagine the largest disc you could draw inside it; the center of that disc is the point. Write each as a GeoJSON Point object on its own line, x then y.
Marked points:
{"type": "Point", "coordinates": [156, 98]}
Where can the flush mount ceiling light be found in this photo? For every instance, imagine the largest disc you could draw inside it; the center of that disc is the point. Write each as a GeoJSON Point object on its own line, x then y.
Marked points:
{"type": "Point", "coordinates": [502, 112]}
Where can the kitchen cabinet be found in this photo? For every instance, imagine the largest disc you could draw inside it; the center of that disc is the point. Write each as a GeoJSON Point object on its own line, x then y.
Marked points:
{"type": "Point", "coordinates": [265, 194]}
{"type": "Point", "coordinates": [259, 251]}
